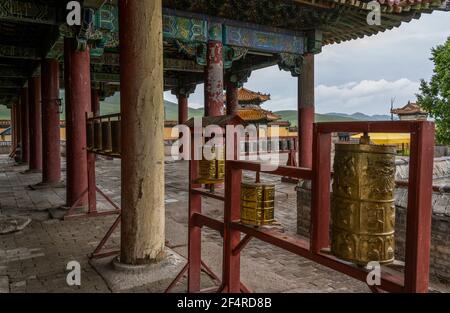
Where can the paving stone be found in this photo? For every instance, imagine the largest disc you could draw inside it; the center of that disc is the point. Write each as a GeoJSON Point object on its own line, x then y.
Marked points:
{"type": "Point", "coordinates": [35, 259]}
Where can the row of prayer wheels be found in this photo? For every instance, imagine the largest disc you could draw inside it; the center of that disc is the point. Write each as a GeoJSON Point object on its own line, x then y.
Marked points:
{"type": "Point", "coordinates": [103, 136]}
{"type": "Point", "coordinates": [257, 199]}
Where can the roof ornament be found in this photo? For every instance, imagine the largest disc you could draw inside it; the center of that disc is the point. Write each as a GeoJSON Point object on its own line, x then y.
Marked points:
{"type": "Point", "coordinates": [291, 62]}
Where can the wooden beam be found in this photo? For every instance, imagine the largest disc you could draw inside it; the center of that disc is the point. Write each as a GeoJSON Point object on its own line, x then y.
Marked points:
{"type": "Point", "coordinates": [15, 52]}
{"type": "Point", "coordinates": [180, 65]}
{"type": "Point", "coordinates": [10, 72]}
{"type": "Point", "coordinates": [93, 4]}
{"type": "Point", "coordinates": [10, 83]}
{"type": "Point", "coordinates": [28, 11]}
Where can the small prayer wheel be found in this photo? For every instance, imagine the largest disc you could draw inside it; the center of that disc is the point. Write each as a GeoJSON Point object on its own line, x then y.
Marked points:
{"type": "Point", "coordinates": [97, 135]}
{"type": "Point", "coordinates": [90, 135]}
{"type": "Point", "coordinates": [115, 137]}
{"type": "Point", "coordinates": [257, 204]}
{"type": "Point", "coordinates": [362, 203]}
{"type": "Point", "coordinates": [106, 137]}
{"type": "Point", "coordinates": [212, 171]}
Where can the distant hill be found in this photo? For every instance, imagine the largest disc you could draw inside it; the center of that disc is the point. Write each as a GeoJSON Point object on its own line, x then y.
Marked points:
{"type": "Point", "coordinates": [112, 105]}
{"type": "Point", "coordinates": [4, 113]}
{"type": "Point", "coordinates": [292, 116]}
{"type": "Point", "coordinates": [363, 117]}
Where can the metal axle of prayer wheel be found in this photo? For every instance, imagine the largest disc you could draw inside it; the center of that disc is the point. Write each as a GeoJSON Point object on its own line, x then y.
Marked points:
{"type": "Point", "coordinates": [257, 204]}
{"type": "Point", "coordinates": [115, 138]}
{"type": "Point", "coordinates": [362, 203]}
{"type": "Point", "coordinates": [106, 137]}
{"type": "Point", "coordinates": [97, 135]}
{"type": "Point", "coordinates": [212, 171]}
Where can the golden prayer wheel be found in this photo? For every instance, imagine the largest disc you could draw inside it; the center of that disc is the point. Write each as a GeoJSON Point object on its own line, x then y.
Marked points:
{"type": "Point", "coordinates": [115, 137]}
{"type": "Point", "coordinates": [97, 135]}
{"type": "Point", "coordinates": [362, 203]}
{"type": "Point", "coordinates": [106, 137]}
{"type": "Point", "coordinates": [90, 135]}
{"type": "Point", "coordinates": [212, 171]}
{"type": "Point", "coordinates": [257, 204]}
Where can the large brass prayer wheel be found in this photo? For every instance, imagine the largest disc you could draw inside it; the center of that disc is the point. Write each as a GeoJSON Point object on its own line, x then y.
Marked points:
{"type": "Point", "coordinates": [115, 137]}
{"type": "Point", "coordinates": [106, 137]}
{"type": "Point", "coordinates": [362, 203]}
{"type": "Point", "coordinates": [257, 204]}
{"type": "Point", "coordinates": [212, 171]}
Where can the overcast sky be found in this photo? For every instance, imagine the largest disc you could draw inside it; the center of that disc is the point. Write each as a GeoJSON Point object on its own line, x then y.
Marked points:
{"type": "Point", "coordinates": [361, 75]}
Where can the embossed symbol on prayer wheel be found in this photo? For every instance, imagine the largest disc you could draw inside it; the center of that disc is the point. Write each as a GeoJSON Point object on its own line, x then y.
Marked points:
{"type": "Point", "coordinates": [115, 137]}
{"type": "Point", "coordinates": [97, 135]}
{"type": "Point", "coordinates": [363, 207]}
{"type": "Point", "coordinates": [106, 137]}
{"type": "Point", "coordinates": [90, 135]}
{"type": "Point", "coordinates": [257, 204]}
{"type": "Point", "coordinates": [212, 171]}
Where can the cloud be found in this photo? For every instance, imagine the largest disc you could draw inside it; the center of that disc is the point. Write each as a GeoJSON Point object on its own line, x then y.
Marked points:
{"type": "Point", "coordinates": [367, 96]}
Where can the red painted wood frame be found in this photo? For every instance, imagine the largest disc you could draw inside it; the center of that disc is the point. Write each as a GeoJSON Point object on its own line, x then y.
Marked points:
{"type": "Point", "coordinates": [418, 229]}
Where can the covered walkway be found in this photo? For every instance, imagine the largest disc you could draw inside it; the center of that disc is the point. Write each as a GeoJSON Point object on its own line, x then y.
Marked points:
{"type": "Point", "coordinates": [35, 259]}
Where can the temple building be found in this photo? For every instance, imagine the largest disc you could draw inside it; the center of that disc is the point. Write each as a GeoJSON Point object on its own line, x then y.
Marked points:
{"type": "Point", "coordinates": [411, 112]}
{"type": "Point", "coordinates": [154, 46]}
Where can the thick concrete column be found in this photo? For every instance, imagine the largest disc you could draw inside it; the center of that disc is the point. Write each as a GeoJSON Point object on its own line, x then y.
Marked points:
{"type": "Point", "coordinates": [35, 122]}
{"type": "Point", "coordinates": [306, 111]}
{"type": "Point", "coordinates": [51, 151]}
{"type": "Point", "coordinates": [232, 98]}
{"type": "Point", "coordinates": [182, 108]}
{"type": "Point", "coordinates": [77, 84]}
{"type": "Point", "coordinates": [24, 126]}
{"type": "Point", "coordinates": [214, 80]}
{"type": "Point", "coordinates": [141, 92]}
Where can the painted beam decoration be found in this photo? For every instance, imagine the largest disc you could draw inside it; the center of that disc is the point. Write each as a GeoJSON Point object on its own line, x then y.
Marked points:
{"type": "Point", "coordinates": [263, 41]}
{"type": "Point", "coordinates": [28, 11]}
{"type": "Point", "coordinates": [185, 29]}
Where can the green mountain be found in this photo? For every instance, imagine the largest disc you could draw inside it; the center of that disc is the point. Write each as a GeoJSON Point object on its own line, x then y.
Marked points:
{"type": "Point", "coordinates": [112, 105]}
{"type": "Point", "coordinates": [4, 113]}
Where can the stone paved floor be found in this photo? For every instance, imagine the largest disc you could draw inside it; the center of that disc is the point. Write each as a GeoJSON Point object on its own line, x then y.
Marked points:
{"type": "Point", "coordinates": [34, 259]}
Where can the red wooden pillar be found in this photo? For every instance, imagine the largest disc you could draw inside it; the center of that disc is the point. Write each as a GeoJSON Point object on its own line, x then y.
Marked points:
{"type": "Point", "coordinates": [13, 128]}
{"type": "Point", "coordinates": [92, 195]}
{"type": "Point", "coordinates": [18, 129]}
{"type": "Point", "coordinates": [51, 154]}
{"type": "Point", "coordinates": [195, 232]}
{"type": "Point", "coordinates": [182, 108]}
{"type": "Point", "coordinates": [232, 98]}
{"type": "Point", "coordinates": [35, 122]}
{"type": "Point", "coordinates": [77, 82]}
{"type": "Point", "coordinates": [24, 141]}
{"type": "Point", "coordinates": [231, 238]}
{"type": "Point", "coordinates": [419, 214]}
{"type": "Point", "coordinates": [214, 80]}
{"type": "Point", "coordinates": [306, 111]}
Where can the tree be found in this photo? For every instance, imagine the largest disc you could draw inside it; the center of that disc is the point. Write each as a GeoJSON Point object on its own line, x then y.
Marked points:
{"type": "Point", "coordinates": [434, 96]}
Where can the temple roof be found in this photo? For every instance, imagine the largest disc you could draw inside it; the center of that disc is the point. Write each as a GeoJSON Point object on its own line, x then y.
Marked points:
{"type": "Point", "coordinates": [256, 114]}
{"type": "Point", "coordinates": [409, 109]}
{"type": "Point", "coordinates": [339, 20]}
{"type": "Point", "coordinates": [246, 96]}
